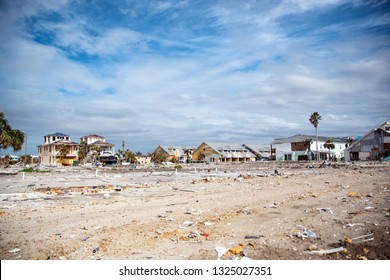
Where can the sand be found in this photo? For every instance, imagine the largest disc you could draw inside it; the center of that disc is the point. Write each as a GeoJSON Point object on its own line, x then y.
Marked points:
{"type": "Point", "coordinates": [262, 210]}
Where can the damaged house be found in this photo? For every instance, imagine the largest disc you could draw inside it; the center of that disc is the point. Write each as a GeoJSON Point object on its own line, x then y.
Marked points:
{"type": "Point", "coordinates": [375, 145]}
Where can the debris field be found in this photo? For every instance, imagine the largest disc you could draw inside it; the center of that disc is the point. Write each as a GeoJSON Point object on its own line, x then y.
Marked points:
{"type": "Point", "coordinates": [260, 210]}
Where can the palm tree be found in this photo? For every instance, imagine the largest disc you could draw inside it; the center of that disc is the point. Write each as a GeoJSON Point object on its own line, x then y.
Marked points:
{"type": "Point", "coordinates": [62, 151]}
{"type": "Point", "coordinates": [307, 144]}
{"type": "Point", "coordinates": [329, 145]}
{"type": "Point", "coordinates": [10, 137]}
{"type": "Point", "coordinates": [82, 153]}
{"type": "Point", "coordinates": [314, 118]}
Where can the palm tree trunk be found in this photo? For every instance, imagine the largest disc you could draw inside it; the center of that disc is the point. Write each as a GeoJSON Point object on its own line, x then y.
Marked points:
{"type": "Point", "coordinates": [317, 144]}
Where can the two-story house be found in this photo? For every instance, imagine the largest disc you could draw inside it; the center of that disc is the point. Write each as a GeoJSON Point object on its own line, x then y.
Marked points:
{"type": "Point", "coordinates": [58, 149]}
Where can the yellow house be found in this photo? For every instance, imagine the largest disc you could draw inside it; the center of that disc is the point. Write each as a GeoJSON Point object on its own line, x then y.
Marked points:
{"type": "Point", "coordinates": [222, 152]}
{"type": "Point", "coordinates": [58, 149]}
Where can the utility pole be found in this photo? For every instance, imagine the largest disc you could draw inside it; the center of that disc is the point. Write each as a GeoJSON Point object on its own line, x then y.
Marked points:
{"type": "Point", "coordinates": [25, 150]}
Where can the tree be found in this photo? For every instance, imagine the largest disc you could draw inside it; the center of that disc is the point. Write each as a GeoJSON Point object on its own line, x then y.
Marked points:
{"type": "Point", "coordinates": [349, 142]}
{"type": "Point", "coordinates": [10, 137]}
{"type": "Point", "coordinates": [159, 157]}
{"type": "Point", "coordinates": [82, 153]}
{"type": "Point", "coordinates": [130, 156]}
{"type": "Point", "coordinates": [307, 144]}
{"type": "Point", "coordinates": [187, 152]}
{"type": "Point", "coordinates": [329, 145]}
{"type": "Point", "coordinates": [62, 151]}
{"type": "Point", "coordinates": [314, 119]}
{"type": "Point", "coordinates": [201, 156]}
{"type": "Point", "coordinates": [95, 152]}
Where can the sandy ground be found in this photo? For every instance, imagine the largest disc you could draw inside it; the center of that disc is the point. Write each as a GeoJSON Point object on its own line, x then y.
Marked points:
{"type": "Point", "coordinates": [262, 210]}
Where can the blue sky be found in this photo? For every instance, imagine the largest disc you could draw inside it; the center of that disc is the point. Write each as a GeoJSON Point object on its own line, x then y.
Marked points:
{"type": "Point", "coordinates": [184, 72]}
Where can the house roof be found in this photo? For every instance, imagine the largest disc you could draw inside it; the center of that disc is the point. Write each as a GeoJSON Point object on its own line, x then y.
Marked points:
{"type": "Point", "coordinates": [92, 136]}
{"type": "Point", "coordinates": [226, 149]}
{"type": "Point", "coordinates": [101, 143]}
{"type": "Point", "coordinates": [60, 142]}
{"type": "Point", "coordinates": [58, 134]}
{"type": "Point", "coordinates": [170, 150]}
{"type": "Point", "coordinates": [359, 139]}
{"type": "Point", "coordinates": [302, 137]}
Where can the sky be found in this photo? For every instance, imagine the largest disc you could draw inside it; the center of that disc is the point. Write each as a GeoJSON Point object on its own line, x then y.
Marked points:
{"type": "Point", "coordinates": [183, 72]}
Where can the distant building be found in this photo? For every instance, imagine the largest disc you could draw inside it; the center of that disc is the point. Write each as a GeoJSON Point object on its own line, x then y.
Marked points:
{"type": "Point", "coordinates": [222, 152]}
{"type": "Point", "coordinates": [262, 151]}
{"type": "Point", "coordinates": [182, 154]}
{"type": "Point", "coordinates": [303, 147]}
{"type": "Point", "coordinates": [58, 149]}
{"type": "Point", "coordinates": [143, 159]}
{"type": "Point", "coordinates": [104, 150]}
{"type": "Point", "coordinates": [375, 145]}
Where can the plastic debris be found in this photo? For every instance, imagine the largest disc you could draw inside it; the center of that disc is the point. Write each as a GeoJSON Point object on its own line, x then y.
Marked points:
{"type": "Point", "coordinates": [106, 195]}
{"type": "Point", "coordinates": [254, 236]}
{"type": "Point", "coordinates": [325, 210]}
{"type": "Point", "coordinates": [15, 250]}
{"type": "Point", "coordinates": [363, 238]}
{"type": "Point", "coordinates": [221, 251]}
{"type": "Point", "coordinates": [95, 250]}
{"type": "Point", "coordinates": [367, 208]}
{"type": "Point", "coordinates": [303, 233]}
{"type": "Point", "coordinates": [326, 252]}
{"type": "Point", "coordinates": [188, 223]}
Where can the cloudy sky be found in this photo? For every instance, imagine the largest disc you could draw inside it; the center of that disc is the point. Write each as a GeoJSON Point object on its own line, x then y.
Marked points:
{"type": "Point", "coordinates": [183, 72]}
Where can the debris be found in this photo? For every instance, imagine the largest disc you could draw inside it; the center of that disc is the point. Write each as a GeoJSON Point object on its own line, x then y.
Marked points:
{"type": "Point", "coordinates": [254, 236]}
{"type": "Point", "coordinates": [204, 234]}
{"type": "Point", "coordinates": [368, 208]}
{"type": "Point", "coordinates": [221, 251]}
{"type": "Point", "coordinates": [363, 238]}
{"type": "Point", "coordinates": [106, 195]}
{"type": "Point", "coordinates": [15, 250]}
{"type": "Point", "coordinates": [182, 190]}
{"type": "Point", "coordinates": [305, 234]}
{"type": "Point", "coordinates": [85, 238]}
{"type": "Point", "coordinates": [272, 205]}
{"type": "Point", "coordinates": [325, 210]}
{"type": "Point", "coordinates": [238, 250]}
{"type": "Point", "coordinates": [352, 225]}
{"type": "Point", "coordinates": [95, 250]}
{"type": "Point", "coordinates": [354, 194]}
{"type": "Point", "coordinates": [326, 252]}
{"type": "Point", "coordinates": [118, 188]}
{"type": "Point", "coordinates": [188, 223]}
{"type": "Point", "coordinates": [208, 224]}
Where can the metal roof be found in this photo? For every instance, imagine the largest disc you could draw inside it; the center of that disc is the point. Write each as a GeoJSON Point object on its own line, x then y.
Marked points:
{"type": "Point", "coordinates": [302, 137]}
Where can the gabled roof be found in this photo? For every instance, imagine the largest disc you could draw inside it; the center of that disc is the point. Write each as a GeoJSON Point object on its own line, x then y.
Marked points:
{"type": "Point", "coordinates": [302, 138]}
{"type": "Point", "coordinates": [170, 150]}
{"type": "Point", "coordinates": [359, 140]}
{"type": "Point", "coordinates": [92, 136]}
{"type": "Point", "coordinates": [226, 149]}
{"type": "Point", "coordinates": [58, 134]}
{"type": "Point", "coordinates": [101, 143]}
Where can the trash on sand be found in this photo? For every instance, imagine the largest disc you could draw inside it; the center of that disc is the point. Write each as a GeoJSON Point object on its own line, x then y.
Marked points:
{"type": "Point", "coordinates": [15, 250]}
{"type": "Point", "coordinates": [208, 224]}
{"type": "Point", "coordinates": [238, 250]}
{"type": "Point", "coordinates": [204, 234]}
{"type": "Point", "coordinates": [325, 210]}
{"type": "Point", "coordinates": [272, 205]}
{"type": "Point", "coordinates": [118, 188]}
{"type": "Point", "coordinates": [254, 236]}
{"type": "Point", "coordinates": [106, 195]}
{"type": "Point", "coordinates": [188, 223]}
{"type": "Point", "coordinates": [325, 252]}
{"type": "Point", "coordinates": [354, 194]}
{"type": "Point", "coordinates": [85, 238]}
{"type": "Point", "coordinates": [221, 251]}
{"type": "Point", "coordinates": [95, 250]}
{"type": "Point", "coordinates": [352, 225]}
{"type": "Point", "coordinates": [368, 208]}
{"type": "Point", "coordinates": [303, 233]}
{"type": "Point", "coordinates": [363, 238]}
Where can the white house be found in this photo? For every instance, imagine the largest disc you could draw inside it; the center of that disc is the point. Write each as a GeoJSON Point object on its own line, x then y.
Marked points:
{"type": "Point", "coordinates": [303, 147]}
